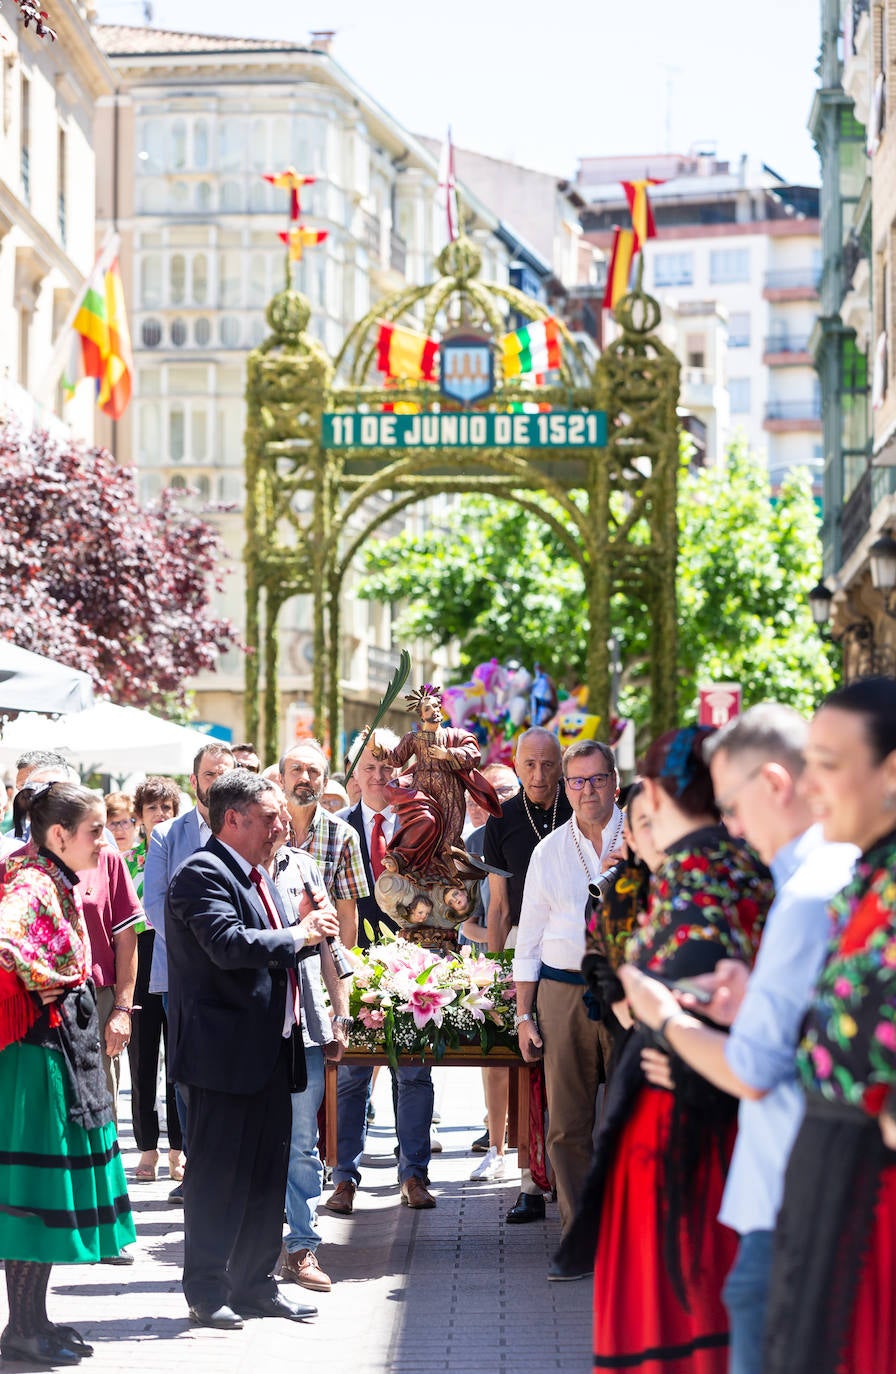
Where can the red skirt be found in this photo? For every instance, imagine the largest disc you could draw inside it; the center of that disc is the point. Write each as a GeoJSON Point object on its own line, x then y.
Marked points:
{"type": "Point", "coordinates": [871, 1348]}
{"type": "Point", "coordinates": [639, 1323]}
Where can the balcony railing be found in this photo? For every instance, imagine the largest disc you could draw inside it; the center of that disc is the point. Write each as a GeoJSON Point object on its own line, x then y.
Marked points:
{"type": "Point", "coordinates": [810, 409]}
{"type": "Point", "coordinates": [796, 278]}
{"type": "Point", "coordinates": [25, 168]}
{"type": "Point", "coordinates": [370, 235]}
{"type": "Point", "coordinates": [787, 345]}
{"type": "Point", "coordinates": [856, 516]}
{"type": "Point", "coordinates": [398, 254]}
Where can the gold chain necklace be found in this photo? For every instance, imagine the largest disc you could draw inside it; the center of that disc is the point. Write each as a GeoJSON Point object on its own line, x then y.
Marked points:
{"type": "Point", "coordinates": [553, 814]}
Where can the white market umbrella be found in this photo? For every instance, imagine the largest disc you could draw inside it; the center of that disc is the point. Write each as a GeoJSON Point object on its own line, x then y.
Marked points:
{"type": "Point", "coordinates": [107, 739]}
{"type": "Point", "coordinates": [29, 682]}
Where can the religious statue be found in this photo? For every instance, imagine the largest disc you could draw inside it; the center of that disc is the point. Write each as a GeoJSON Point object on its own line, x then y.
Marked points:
{"type": "Point", "coordinates": [429, 798]}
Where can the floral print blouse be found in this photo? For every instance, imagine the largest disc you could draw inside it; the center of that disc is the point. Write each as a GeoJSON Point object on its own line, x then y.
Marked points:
{"type": "Point", "coordinates": [848, 1050]}
{"type": "Point", "coordinates": [709, 902]}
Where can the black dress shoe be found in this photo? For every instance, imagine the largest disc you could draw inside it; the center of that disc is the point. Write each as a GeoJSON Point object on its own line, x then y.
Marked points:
{"type": "Point", "coordinates": [567, 1273]}
{"type": "Point", "coordinates": [223, 1317]}
{"type": "Point", "coordinates": [277, 1305]}
{"type": "Point", "coordinates": [67, 1335]}
{"type": "Point", "coordinates": [41, 1349]}
{"type": "Point", "coordinates": [528, 1207]}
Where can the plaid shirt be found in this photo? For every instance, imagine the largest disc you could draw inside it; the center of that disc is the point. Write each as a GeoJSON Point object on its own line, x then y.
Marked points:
{"type": "Point", "coordinates": [335, 846]}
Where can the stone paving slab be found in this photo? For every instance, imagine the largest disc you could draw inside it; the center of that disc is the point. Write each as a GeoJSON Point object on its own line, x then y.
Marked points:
{"type": "Point", "coordinates": [414, 1292]}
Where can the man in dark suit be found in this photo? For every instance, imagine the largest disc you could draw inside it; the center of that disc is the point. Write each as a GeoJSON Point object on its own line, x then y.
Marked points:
{"type": "Point", "coordinates": [236, 1050]}
{"type": "Point", "coordinates": [374, 823]}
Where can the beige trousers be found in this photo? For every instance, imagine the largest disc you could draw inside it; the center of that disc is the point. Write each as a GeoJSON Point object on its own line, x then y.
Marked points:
{"type": "Point", "coordinates": [105, 1005]}
{"type": "Point", "coordinates": [576, 1052]}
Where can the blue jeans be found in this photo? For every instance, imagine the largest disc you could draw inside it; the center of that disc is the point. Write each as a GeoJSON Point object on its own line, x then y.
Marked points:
{"type": "Point", "coordinates": [304, 1183]}
{"type": "Point", "coordinates": [415, 1104]}
{"type": "Point", "coordinates": [746, 1297]}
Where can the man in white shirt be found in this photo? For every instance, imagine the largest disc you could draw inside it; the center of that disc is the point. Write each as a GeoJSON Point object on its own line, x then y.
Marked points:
{"type": "Point", "coordinates": [548, 959]}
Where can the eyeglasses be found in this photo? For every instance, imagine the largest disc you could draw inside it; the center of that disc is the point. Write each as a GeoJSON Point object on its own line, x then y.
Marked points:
{"type": "Point", "coordinates": [122, 824]}
{"type": "Point", "coordinates": [727, 809]}
{"type": "Point", "coordinates": [596, 781]}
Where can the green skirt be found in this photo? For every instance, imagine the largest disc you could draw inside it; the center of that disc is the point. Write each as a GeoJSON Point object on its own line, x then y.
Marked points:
{"type": "Point", "coordinates": [63, 1195]}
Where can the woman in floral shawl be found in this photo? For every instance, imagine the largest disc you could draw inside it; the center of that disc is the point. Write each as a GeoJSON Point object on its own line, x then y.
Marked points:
{"type": "Point", "coordinates": [63, 1197]}
{"type": "Point", "coordinates": [833, 1306]}
{"type": "Point", "coordinates": [648, 1223]}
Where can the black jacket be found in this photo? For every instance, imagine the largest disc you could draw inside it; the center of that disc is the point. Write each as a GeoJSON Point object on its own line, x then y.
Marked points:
{"type": "Point", "coordinates": [227, 975]}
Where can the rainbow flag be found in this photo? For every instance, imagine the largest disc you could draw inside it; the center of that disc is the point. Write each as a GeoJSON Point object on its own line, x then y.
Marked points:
{"type": "Point", "coordinates": [534, 348]}
{"type": "Point", "coordinates": [101, 342]}
{"type": "Point", "coordinates": [619, 269]}
{"type": "Point", "coordinates": [404, 353]}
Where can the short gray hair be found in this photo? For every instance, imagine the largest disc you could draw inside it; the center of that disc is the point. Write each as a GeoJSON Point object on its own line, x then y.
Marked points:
{"type": "Point", "coordinates": [537, 732]}
{"type": "Point", "coordinates": [235, 791]}
{"type": "Point", "coordinates": [583, 748]}
{"type": "Point", "coordinates": [307, 744]}
{"type": "Point", "coordinates": [770, 731]}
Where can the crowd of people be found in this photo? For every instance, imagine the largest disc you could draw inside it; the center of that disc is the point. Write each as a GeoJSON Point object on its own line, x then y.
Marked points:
{"type": "Point", "coordinates": [705, 975]}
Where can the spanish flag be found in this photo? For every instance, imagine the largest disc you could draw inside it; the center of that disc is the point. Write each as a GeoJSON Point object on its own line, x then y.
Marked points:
{"type": "Point", "coordinates": [299, 238]}
{"type": "Point", "coordinates": [292, 181]}
{"type": "Point", "coordinates": [102, 340]}
{"type": "Point", "coordinates": [404, 353]}
{"type": "Point", "coordinates": [639, 204]}
{"type": "Point", "coordinates": [620, 267]}
{"type": "Point", "coordinates": [534, 348]}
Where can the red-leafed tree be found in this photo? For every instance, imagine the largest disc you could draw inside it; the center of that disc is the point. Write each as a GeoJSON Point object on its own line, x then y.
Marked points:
{"type": "Point", "coordinates": [94, 580]}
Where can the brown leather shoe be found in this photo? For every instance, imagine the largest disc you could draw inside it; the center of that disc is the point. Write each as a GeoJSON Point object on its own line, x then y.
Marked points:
{"type": "Point", "coordinates": [342, 1198]}
{"type": "Point", "coordinates": [301, 1266]}
{"type": "Point", "coordinates": [414, 1193]}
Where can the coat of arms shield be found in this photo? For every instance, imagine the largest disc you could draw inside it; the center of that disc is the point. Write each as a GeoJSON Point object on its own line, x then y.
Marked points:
{"type": "Point", "coordinates": [467, 367]}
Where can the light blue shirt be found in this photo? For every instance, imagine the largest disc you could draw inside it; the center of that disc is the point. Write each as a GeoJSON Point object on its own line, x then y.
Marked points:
{"type": "Point", "coordinates": [761, 1048]}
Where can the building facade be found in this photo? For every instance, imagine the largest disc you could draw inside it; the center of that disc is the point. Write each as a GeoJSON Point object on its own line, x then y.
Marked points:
{"type": "Point", "coordinates": [196, 125]}
{"type": "Point", "coordinates": [853, 342]}
{"type": "Point", "coordinates": [48, 97]}
{"type": "Point", "coordinates": [744, 243]}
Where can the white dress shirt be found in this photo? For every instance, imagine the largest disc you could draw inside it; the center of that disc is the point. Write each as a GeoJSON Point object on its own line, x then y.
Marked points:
{"type": "Point", "coordinates": [552, 918]}
{"type": "Point", "coordinates": [389, 821]}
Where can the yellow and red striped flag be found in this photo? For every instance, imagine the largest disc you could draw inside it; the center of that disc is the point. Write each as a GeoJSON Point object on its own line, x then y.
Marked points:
{"type": "Point", "coordinates": [102, 341]}
{"type": "Point", "coordinates": [534, 348]}
{"type": "Point", "coordinates": [292, 181]}
{"type": "Point", "coordinates": [619, 269]}
{"type": "Point", "coordinates": [643, 222]}
{"type": "Point", "coordinates": [299, 238]}
{"type": "Point", "coordinates": [404, 353]}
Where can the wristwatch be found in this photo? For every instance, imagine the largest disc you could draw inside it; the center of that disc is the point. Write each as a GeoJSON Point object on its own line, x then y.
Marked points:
{"type": "Point", "coordinates": [526, 1016]}
{"type": "Point", "coordinates": [344, 1022]}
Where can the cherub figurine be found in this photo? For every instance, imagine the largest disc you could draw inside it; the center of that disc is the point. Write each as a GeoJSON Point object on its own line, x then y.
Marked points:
{"type": "Point", "coordinates": [445, 767]}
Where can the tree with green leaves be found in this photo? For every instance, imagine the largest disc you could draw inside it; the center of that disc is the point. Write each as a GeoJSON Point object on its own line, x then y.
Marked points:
{"type": "Point", "coordinates": [498, 582]}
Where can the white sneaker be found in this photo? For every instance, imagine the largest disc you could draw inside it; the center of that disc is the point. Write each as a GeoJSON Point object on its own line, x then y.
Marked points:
{"type": "Point", "coordinates": [490, 1169]}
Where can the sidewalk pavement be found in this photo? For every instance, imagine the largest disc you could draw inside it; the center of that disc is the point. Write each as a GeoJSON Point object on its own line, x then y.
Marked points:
{"type": "Point", "coordinates": [414, 1292]}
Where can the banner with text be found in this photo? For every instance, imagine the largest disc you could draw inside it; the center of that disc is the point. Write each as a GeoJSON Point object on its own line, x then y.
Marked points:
{"type": "Point", "coordinates": [451, 429]}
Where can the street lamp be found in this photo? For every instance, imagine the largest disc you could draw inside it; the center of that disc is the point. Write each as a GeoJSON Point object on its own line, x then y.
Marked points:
{"type": "Point", "coordinates": [820, 599]}
{"type": "Point", "coordinates": [882, 557]}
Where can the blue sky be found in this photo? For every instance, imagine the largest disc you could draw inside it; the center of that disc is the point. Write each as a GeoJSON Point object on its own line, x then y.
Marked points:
{"type": "Point", "coordinates": [544, 84]}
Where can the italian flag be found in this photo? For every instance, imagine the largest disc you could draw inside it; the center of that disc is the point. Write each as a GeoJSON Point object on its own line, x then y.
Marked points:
{"type": "Point", "coordinates": [535, 348]}
{"type": "Point", "coordinates": [406, 354]}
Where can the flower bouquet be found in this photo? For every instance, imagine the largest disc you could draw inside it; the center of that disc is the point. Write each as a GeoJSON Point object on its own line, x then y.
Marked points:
{"type": "Point", "coordinates": [406, 1000]}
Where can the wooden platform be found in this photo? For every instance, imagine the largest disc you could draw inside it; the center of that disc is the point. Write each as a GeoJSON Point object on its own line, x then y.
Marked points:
{"type": "Point", "coordinates": [467, 1056]}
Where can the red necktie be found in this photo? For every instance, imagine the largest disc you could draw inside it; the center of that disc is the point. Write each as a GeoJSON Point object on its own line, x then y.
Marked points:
{"type": "Point", "coordinates": [377, 845]}
{"type": "Point", "coordinates": [276, 924]}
